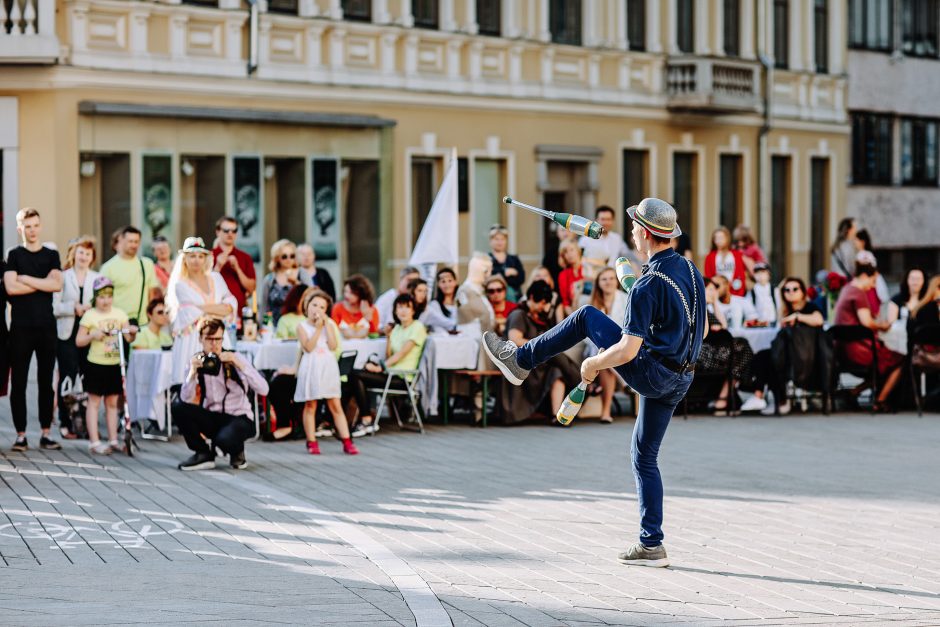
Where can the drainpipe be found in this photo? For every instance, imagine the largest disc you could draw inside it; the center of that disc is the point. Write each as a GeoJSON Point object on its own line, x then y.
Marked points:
{"type": "Point", "coordinates": [764, 217]}
{"type": "Point", "coordinates": [253, 17]}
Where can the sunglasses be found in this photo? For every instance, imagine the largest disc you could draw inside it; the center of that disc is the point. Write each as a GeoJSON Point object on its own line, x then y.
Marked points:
{"type": "Point", "coordinates": [495, 290]}
{"type": "Point", "coordinates": [286, 257]}
{"type": "Point", "coordinates": [159, 312]}
{"type": "Point", "coordinates": [229, 231]}
{"type": "Point", "coordinates": [792, 289]}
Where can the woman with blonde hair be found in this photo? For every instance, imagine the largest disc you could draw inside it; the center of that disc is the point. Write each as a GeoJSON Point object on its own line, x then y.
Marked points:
{"type": "Point", "coordinates": [611, 300]}
{"type": "Point", "coordinates": [68, 306]}
{"type": "Point", "coordinates": [194, 291]}
{"type": "Point", "coordinates": [283, 276]}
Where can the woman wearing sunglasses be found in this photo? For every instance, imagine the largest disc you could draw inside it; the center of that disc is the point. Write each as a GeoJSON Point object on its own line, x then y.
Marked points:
{"type": "Point", "coordinates": [277, 284]}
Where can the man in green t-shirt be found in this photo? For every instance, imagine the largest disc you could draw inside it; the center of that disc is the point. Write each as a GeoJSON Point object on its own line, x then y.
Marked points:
{"type": "Point", "coordinates": [133, 277]}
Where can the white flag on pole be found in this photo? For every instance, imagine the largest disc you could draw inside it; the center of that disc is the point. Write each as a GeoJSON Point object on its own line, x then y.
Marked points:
{"type": "Point", "coordinates": [438, 242]}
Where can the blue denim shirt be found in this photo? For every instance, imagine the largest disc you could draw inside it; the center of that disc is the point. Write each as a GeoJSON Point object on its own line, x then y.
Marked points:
{"type": "Point", "coordinates": [656, 313]}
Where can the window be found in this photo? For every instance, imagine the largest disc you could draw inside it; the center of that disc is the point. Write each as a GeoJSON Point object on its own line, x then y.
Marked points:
{"type": "Point", "coordinates": [732, 27]}
{"type": "Point", "coordinates": [871, 149]}
{"type": "Point", "coordinates": [357, 10]}
{"type": "Point", "coordinates": [683, 188]}
{"type": "Point", "coordinates": [819, 184]}
{"type": "Point", "coordinates": [685, 25]}
{"type": "Point", "coordinates": [488, 17]}
{"type": "Point", "coordinates": [425, 179]}
{"type": "Point", "coordinates": [871, 24]}
{"type": "Point", "coordinates": [202, 3]}
{"type": "Point", "coordinates": [634, 176]}
{"type": "Point", "coordinates": [781, 34]}
{"type": "Point", "coordinates": [919, 27]}
{"type": "Point", "coordinates": [289, 186]}
{"type": "Point", "coordinates": [463, 188]}
{"type": "Point", "coordinates": [918, 151]}
{"type": "Point", "coordinates": [363, 220]}
{"type": "Point", "coordinates": [288, 7]}
{"type": "Point", "coordinates": [730, 190]}
{"type": "Point", "coordinates": [821, 30]}
{"type": "Point", "coordinates": [564, 21]}
{"type": "Point", "coordinates": [636, 24]}
{"type": "Point", "coordinates": [425, 13]}
{"type": "Point", "coordinates": [780, 208]}
{"type": "Point", "coordinates": [487, 206]}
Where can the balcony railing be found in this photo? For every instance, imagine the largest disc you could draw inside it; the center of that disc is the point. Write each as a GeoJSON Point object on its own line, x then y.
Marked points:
{"type": "Point", "coordinates": [712, 85]}
{"type": "Point", "coordinates": [27, 31]}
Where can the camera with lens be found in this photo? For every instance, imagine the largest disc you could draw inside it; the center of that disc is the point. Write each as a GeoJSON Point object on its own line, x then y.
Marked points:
{"type": "Point", "coordinates": [211, 364]}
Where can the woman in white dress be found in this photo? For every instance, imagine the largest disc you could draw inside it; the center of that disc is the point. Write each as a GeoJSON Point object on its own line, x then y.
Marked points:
{"type": "Point", "coordinates": [318, 374]}
{"type": "Point", "coordinates": [194, 291]}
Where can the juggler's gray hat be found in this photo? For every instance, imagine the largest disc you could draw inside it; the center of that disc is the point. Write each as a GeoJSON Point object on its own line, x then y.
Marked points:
{"type": "Point", "coordinates": [656, 216]}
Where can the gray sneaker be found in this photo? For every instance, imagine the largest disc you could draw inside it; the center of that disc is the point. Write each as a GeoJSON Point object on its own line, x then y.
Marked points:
{"type": "Point", "coordinates": [503, 354]}
{"type": "Point", "coordinates": [639, 555]}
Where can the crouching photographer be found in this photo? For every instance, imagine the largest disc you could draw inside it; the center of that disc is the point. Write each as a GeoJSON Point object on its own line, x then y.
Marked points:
{"type": "Point", "coordinates": [214, 401]}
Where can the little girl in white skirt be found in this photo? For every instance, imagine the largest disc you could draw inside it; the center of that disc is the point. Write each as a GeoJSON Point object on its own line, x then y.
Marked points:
{"type": "Point", "coordinates": [318, 373]}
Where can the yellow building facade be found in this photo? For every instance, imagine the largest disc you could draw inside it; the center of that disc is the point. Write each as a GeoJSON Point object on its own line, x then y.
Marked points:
{"type": "Point", "coordinates": [333, 122]}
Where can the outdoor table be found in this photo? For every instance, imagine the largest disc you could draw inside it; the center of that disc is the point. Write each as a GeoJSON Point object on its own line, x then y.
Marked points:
{"type": "Point", "coordinates": [148, 384]}
{"type": "Point", "coordinates": [758, 337]}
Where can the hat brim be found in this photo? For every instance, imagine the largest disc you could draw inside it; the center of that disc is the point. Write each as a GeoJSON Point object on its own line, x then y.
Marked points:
{"type": "Point", "coordinates": [204, 251]}
{"type": "Point", "coordinates": [652, 228]}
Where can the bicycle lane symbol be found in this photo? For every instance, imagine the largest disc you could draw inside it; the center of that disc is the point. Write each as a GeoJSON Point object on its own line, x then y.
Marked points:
{"type": "Point", "coordinates": [120, 534]}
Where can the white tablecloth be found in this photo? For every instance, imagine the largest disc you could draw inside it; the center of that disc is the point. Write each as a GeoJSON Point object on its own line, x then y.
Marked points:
{"type": "Point", "coordinates": [148, 379]}
{"type": "Point", "coordinates": [270, 356]}
{"type": "Point", "coordinates": [364, 347]}
{"type": "Point", "coordinates": [758, 337]}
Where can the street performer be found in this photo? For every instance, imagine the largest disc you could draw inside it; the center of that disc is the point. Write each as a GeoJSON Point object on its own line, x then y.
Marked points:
{"type": "Point", "coordinates": [654, 352]}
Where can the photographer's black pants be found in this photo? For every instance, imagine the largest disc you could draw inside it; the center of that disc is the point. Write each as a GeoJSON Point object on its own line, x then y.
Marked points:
{"type": "Point", "coordinates": [228, 433]}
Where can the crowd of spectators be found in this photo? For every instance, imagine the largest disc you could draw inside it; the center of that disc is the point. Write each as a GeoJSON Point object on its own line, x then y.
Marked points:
{"type": "Point", "coordinates": [189, 302]}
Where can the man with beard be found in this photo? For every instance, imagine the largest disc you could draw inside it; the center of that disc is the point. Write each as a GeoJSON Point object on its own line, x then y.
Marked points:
{"type": "Point", "coordinates": [545, 387]}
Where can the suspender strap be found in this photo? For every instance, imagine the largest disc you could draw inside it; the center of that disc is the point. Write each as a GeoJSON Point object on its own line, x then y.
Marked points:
{"type": "Point", "coordinates": [690, 314]}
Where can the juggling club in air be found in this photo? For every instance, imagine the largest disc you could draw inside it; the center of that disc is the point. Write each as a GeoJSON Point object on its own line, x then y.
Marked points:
{"type": "Point", "coordinates": [625, 274]}
{"type": "Point", "coordinates": [574, 223]}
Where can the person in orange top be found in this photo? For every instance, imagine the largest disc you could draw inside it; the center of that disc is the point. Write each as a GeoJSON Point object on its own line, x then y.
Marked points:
{"type": "Point", "coordinates": [356, 315]}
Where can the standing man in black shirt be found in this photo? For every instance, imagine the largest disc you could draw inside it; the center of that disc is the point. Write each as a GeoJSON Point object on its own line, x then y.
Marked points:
{"type": "Point", "coordinates": [31, 276]}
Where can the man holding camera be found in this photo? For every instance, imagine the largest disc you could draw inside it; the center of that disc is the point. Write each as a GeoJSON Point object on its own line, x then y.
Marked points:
{"type": "Point", "coordinates": [214, 401]}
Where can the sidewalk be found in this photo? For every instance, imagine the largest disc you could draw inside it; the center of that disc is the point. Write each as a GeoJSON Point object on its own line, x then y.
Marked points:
{"type": "Point", "coordinates": [818, 520]}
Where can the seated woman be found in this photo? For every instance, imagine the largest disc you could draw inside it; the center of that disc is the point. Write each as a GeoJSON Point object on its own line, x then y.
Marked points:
{"type": "Point", "coordinates": [545, 387]}
{"type": "Point", "coordinates": [496, 291]}
{"type": "Point", "coordinates": [542, 273]}
{"type": "Point", "coordinates": [795, 310]}
{"type": "Point", "coordinates": [403, 351]}
{"type": "Point", "coordinates": [927, 310]}
{"type": "Point", "coordinates": [441, 313]}
{"type": "Point", "coordinates": [418, 288]}
{"type": "Point", "coordinates": [356, 315]}
{"type": "Point", "coordinates": [854, 308]}
{"type": "Point", "coordinates": [291, 314]}
{"type": "Point", "coordinates": [714, 359]}
{"type": "Point", "coordinates": [610, 299]}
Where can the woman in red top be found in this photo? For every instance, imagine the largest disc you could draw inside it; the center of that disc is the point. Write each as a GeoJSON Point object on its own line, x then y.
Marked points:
{"type": "Point", "coordinates": [571, 279]}
{"type": "Point", "coordinates": [496, 289]}
{"type": "Point", "coordinates": [355, 316]}
{"type": "Point", "coordinates": [853, 308]}
{"type": "Point", "coordinates": [727, 262]}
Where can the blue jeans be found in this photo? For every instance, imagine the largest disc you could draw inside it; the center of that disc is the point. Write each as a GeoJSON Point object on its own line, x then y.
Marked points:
{"type": "Point", "coordinates": [660, 391]}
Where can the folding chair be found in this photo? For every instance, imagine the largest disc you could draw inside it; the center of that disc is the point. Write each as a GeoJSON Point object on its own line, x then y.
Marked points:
{"type": "Point", "coordinates": [346, 363]}
{"type": "Point", "coordinates": [842, 333]}
{"type": "Point", "coordinates": [411, 379]}
{"type": "Point", "coordinates": [923, 336]}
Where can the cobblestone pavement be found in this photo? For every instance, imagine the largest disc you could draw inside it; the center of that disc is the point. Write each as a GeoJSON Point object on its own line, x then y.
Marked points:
{"type": "Point", "coordinates": [804, 520]}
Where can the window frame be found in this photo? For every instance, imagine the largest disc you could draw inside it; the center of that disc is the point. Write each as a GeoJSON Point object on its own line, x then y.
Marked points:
{"type": "Point", "coordinates": [731, 21]}
{"type": "Point", "coordinates": [636, 25]}
{"type": "Point", "coordinates": [565, 22]}
{"type": "Point", "coordinates": [863, 22]}
{"type": "Point", "coordinates": [874, 169]}
{"type": "Point", "coordinates": [781, 27]}
{"type": "Point", "coordinates": [917, 25]}
{"type": "Point", "coordinates": [918, 152]}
